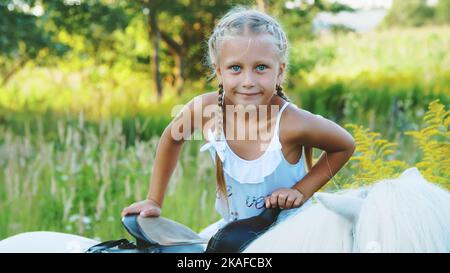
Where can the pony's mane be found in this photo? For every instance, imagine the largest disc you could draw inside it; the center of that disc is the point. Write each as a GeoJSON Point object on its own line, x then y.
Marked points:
{"type": "Point", "coordinates": [321, 229]}
{"type": "Point", "coordinates": [407, 214]}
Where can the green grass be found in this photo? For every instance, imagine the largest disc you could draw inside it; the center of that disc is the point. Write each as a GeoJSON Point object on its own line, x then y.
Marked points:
{"type": "Point", "coordinates": [80, 181]}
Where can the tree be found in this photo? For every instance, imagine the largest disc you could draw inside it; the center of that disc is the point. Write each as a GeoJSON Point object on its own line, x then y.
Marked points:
{"type": "Point", "coordinates": [442, 12]}
{"type": "Point", "coordinates": [409, 13]}
{"type": "Point", "coordinates": [23, 39]}
{"type": "Point", "coordinates": [26, 37]}
{"type": "Point", "coordinates": [183, 26]}
{"type": "Point", "coordinates": [94, 20]}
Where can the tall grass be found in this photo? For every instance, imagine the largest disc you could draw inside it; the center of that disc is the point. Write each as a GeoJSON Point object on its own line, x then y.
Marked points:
{"type": "Point", "coordinates": [80, 181]}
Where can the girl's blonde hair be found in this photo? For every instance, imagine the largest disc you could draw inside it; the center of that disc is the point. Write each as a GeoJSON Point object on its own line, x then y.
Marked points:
{"type": "Point", "coordinates": [235, 23]}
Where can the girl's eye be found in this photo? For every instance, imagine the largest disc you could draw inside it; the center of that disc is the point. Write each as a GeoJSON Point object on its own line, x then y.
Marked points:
{"type": "Point", "coordinates": [235, 68]}
{"type": "Point", "coordinates": [261, 67]}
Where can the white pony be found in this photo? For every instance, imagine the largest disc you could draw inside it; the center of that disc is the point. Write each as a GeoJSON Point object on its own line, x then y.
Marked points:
{"type": "Point", "coordinates": [407, 214]}
{"type": "Point", "coordinates": [46, 242]}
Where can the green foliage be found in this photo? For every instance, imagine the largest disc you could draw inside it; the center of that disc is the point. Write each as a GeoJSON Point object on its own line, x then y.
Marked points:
{"type": "Point", "coordinates": [442, 12]}
{"type": "Point", "coordinates": [372, 157]}
{"type": "Point", "coordinates": [409, 13]}
{"type": "Point", "coordinates": [305, 56]}
{"type": "Point", "coordinates": [90, 19]}
{"type": "Point", "coordinates": [417, 13]}
{"type": "Point", "coordinates": [23, 38]}
{"type": "Point", "coordinates": [434, 143]}
{"type": "Point", "coordinates": [96, 31]}
{"type": "Point", "coordinates": [375, 158]}
{"type": "Point", "coordinates": [95, 22]}
{"type": "Point", "coordinates": [21, 30]}
{"type": "Point", "coordinates": [380, 80]}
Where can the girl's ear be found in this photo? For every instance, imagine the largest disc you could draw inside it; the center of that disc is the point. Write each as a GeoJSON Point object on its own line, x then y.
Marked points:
{"type": "Point", "coordinates": [218, 72]}
{"type": "Point", "coordinates": [281, 71]}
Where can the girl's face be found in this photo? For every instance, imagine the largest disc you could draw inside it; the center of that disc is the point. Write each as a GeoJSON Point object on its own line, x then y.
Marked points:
{"type": "Point", "coordinates": [249, 69]}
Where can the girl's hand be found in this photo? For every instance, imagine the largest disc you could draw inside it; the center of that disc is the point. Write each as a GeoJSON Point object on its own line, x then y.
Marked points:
{"type": "Point", "coordinates": [284, 198]}
{"type": "Point", "coordinates": [145, 208]}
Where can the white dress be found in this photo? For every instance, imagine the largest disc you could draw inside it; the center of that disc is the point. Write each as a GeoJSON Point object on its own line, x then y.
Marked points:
{"type": "Point", "coordinates": [248, 182]}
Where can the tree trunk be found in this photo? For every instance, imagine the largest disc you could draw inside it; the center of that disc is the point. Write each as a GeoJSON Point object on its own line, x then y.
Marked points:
{"type": "Point", "coordinates": [179, 73]}
{"type": "Point", "coordinates": [155, 37]}
{"type": "Point", "coordinates": [178, 55]}
{"type": "Point", "coordinates": [12, 72]}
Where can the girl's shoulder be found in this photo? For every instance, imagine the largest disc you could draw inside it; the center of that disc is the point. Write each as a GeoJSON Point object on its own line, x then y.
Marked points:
{"type": "Point", "coordinates": [203, 100]}
{"type": "Point", "coordinates": [293, 115]}
{"type": "Point", "coordinates": [198, 106]}
{"type": "Point", "coordinates": [296, 121]}
{"type": "Point", "coordinates": [312, 130]}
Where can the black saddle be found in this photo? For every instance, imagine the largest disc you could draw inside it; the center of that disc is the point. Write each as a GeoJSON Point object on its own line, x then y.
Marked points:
{"type": "Point", "coordinates": [162, 235]}
{"type": "Point", "coordinates": [237, 235]}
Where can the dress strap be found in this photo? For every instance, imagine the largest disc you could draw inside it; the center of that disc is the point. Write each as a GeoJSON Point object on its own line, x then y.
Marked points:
{"type": "Point", "coordinates": [218, 145]}
{"type": "Point", "coordinates": [277, 124]}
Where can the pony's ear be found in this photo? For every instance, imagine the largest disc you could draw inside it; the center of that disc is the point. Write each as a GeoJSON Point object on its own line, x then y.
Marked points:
{"type": "Point", "coordinates": [412, 173]}
{"type": "Point", "coordinates": [346, 206]}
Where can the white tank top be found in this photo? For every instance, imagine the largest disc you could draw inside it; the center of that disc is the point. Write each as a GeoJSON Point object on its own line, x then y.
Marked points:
{"type": "Point", "coordinates": [248, 182]}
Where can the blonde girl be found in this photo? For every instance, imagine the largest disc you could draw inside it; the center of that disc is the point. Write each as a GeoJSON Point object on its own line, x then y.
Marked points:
{"type": "Point", "coordinates": [260, 143]}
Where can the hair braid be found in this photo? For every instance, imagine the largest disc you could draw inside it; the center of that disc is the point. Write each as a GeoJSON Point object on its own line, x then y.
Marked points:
{"type": "Point", "coordinates": [221, 185]}
{"type": "Point", "coordinates": [281, 93]}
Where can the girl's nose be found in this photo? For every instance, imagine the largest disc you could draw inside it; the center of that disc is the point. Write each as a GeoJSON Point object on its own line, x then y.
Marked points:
{"type": "Point", "coordinates": [248, 80]}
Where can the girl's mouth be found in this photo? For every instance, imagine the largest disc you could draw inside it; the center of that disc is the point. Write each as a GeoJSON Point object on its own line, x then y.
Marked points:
{"type": "Point", "coordinates": [248, 94]}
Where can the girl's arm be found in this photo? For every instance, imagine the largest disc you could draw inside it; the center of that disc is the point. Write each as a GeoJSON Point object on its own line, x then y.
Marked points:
{"type": "Point", "coordinates": [312, 131]}
{"type": "Point", "coordinates": [167, 154]}
{"type": "Point", "coordinates": [170, 144]}
{"type": "Point", "coordinates": [338, 146]}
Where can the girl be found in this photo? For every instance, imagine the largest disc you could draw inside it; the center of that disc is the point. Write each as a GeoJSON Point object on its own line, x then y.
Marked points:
{"type": "Point", "coordinates": [248, 52]}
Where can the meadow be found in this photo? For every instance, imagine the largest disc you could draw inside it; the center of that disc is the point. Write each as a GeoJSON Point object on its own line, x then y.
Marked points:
{"type": "Point", "coordinates": [77, 142]}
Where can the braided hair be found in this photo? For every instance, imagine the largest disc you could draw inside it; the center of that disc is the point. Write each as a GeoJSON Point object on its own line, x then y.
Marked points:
{"type": "Point", "coordinates": [221, 186]}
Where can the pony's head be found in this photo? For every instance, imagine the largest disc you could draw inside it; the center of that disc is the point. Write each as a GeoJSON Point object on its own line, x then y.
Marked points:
{"type": "Point", "coordinates": [406, 214]}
